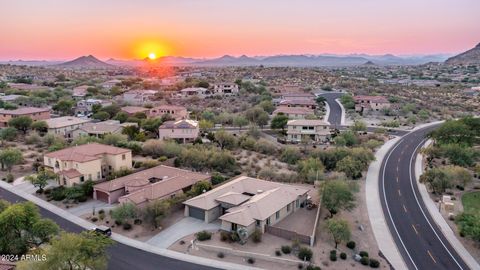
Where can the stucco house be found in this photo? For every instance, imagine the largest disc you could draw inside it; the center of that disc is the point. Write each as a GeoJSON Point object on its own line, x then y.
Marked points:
{"type": "Point", "coordinates": [225, 89]}
{"type": "Point", "coordinates": [371, 103]}
{"type": "Point", "coordinates": [193, 92]}
{"type": "Point", "coordinates": [92, 161]}
{"type": "Point", "coordinates": [160, 182]}
{"type": "Point", "coordinates": [182, 130]}
{"type": "Point", "coordinates": [85, 106]}
{"type": "Point", "coordinates": [248, 203]}
{"type": "Point", "coordinates": [64, 126]}
{"type": "Point", "coordinates": [314, 130]}
{"type": "Point", "coordinates": [100, 129]}
{"type": "Point", "coordinates": [138, 97]}
{"type": "Point", "coordinates": [34, 113]}
{"type": "Point", "coordinates": [305, 103]}
{"type": "Point", "coordinates": [294, 112]}
{"type": "Point", "coordinates": [174, 111]}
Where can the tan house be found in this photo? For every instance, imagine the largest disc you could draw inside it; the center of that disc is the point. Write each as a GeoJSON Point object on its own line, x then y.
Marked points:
{"type": "Point", "coordinates": [248, 203]}
{"type": "Point", "coordinates": [92, 161]}
{"type": "Point", "coordinates": [294, 112]}
{"type": "Point", "coordinates": [371, 103]}
{"type": "Point", "coordinates": [64, 126]}
{"type": "Point", "coordinates": [225, 89]}
{"type": "Point", "coordinates": [314, 130]}
{"type": "Point", "coordinates": [156, 183]}
{"type": "Point", "coordinates": [174, 111]}
{"type": "Point", "coordinates": [305, 103]}
{"type": "Point", "coordinates": [32, 112]}
{"type": "Point", "coordinates": [181, 130]}
{"type": "Point", "coordinates": [100, 129]}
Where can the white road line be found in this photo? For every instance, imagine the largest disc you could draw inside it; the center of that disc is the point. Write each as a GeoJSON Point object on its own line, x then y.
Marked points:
{"type": "Point", "coordinates": [386, 203]}
{"type": "Point", "coordinates": [421, 209]}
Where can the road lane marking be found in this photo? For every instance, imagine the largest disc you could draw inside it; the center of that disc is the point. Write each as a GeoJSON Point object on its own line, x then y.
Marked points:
{"type": "Point", "coordinates": [397, 178]}
{"type": "Point", "coordinates": [431, 256]}
{"type": "Point", "coordinates": [405, 208]}
{"type": "Point", "coordinates": [399, 193]}
{"type": "Point", "coordinates": [421, 209]}
{"type": "Point", "coordinates": [415, 229]}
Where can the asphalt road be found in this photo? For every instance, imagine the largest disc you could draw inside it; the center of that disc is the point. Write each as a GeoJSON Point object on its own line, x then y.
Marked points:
{"type": "Point", "coordinates": [121, 256]}
{"type": "Point", "coordinates": [417, 236]}
{"type": "Point", "coordinates": [335, 116]}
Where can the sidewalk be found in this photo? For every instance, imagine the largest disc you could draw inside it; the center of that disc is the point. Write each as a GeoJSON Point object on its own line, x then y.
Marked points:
{"type": "Point", "coordinates": [375, 213]}
{"type": "Point", "coordinates": [438, 218]}
{"type": "Point", "coordinates": [327, 113]}
{"type": "Point", "coordinates": [123, 239]}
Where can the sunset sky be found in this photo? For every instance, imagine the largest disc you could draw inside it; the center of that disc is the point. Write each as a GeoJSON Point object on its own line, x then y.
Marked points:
{"type": "Point", "coordinates": [127, 29]}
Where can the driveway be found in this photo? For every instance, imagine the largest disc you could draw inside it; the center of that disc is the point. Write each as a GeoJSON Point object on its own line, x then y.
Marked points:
{"type": "Point", "coordinates": [184, 227]}
{"type": "Point", "coordinates": [87, 207]}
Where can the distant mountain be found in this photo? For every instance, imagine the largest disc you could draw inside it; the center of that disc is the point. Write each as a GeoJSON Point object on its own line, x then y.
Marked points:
{"type": "Point", "coordinates": [469, 57]}
{"type": "Point", "coordinates": [89, 61]}
{"type": "Point", "coordinates": [31, 62]}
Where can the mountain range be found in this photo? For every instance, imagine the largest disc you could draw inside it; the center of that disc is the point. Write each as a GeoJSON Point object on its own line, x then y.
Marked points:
{"type": "Point", "coordinates": [470, 57]}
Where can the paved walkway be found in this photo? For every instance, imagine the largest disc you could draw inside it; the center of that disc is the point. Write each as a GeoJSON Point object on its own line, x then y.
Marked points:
{"type": "Point", "coordinates": [87, 207]}
{"type": "Point", "coordinates": [432, 208]}
{"type": "Point", "coordinates": [375, 213]}
{"type": "Point", "coordinates": [27, 187]}
{"type": "Point", "coordinates": [177, 231]}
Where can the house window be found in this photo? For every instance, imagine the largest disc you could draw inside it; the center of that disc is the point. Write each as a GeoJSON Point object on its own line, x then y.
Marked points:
{"type": "Point", "coordinates": [82, 178]}
{"type": "Point", "coordinates": [288, 207]}
{"type": "Point", "coordinates": [268, 221]}
{"type": "Point", "coordinates": [123, 157]}
{"type": "Point", "coordinates": [98, 175]}
{"type": "Point", "coordinates": [234, 227]}
{"type": "Point", "coordinates": [277, 215]}
{"type": "Point", "coordinates": [258, 222]}
{"type": "Point", "coordinates": [297, 203]}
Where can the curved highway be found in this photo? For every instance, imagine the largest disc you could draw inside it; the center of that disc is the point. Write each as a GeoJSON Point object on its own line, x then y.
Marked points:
{"type": "Point", "coordinates": [122, 257]}
{"type": "Point", "coordinates": [418, 238]}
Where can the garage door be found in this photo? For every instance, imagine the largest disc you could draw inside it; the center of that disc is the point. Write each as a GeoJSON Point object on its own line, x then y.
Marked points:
{"type": "Point", "coordinates": [196, 213]}
{"type": "Point", "coordinates": [102, 196]}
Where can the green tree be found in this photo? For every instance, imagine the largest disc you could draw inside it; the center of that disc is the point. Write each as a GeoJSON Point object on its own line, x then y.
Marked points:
{"type": "Point", "coordinates": [22, 123]}
{"type": "Point", "coordinates": [200, 187]}
{"type": "Point", "coordinates": [240, 121]}
{"type": "Point", "coordinates": [469, 225]}
{"type": "Point", "coordinates": [101, 115]}
{"type": "Point", "coordinates": [359, 126]}
{"type": "Point", "coordinates": [267, 106]}
{"type": "Point", "coordinates": [8, 134]}
{"type": "Point", "coordinates": [347, 101]}
{"type": "Point", "coordinates": [257, 115]}
{"type": "Point", "coordinates": [124, 211]}
{"type": "Point", "coordinates": [22, 228]}
{"type": "Point", "coordinates": [352, 167]}
{"type": "Point", "coordinates": [155, 211]}
{"type": "Point", "coordinates": [225, 139]}
{"type": "Point", "coordinates": [290, 155]}
{"type": "Point", "coordinates": [71, 251]}
{"type": "Point", "coordinates": [338, 195]}
{"type": "Point", "coordinates": [121, 116]}
{"type": "Point", "coordinates": [64, 106]}
{"type": "Point", "coordinates": [151, 125]}
{"type": "Point", "coordinates": [40, 180]}
{"type": "Point", "coordinates": [339, 230]}
{"type": "Point", "coordinates": [40, 126]}
{"type": "Point", "coordinates": [10, 157]}
{"type": "Point", "coordinates": [205, 125]}
{"type": "Point", "coordinates": [131, 131]}
{"type": "Point", "coordinates": [437, 179]}
{"type": "Point", "coordinates": [310, 169]}
{"type": "Point", "coordinates": [279, 121]}
{"type": "Point", "coordinates": [461, 175]}
{"type": "Point", "coordinates": [453, 132]}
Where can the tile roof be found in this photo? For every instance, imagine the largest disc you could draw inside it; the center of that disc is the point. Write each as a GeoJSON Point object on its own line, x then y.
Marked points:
{"type": "Point", "coordinates": [293, 110]}
{"type": "Point", "coordinates": [307, 122]}
{"type": "Point", "coordinates": [376, 99]}
{"type": "Point", "coordinates": [71, 173]}
{"type": "Point", "coordinates": [24, 111]}
{"type": "Point", "coordinates": [64, 121]}
{"type": "Point", "coordinates": [185, 123]}
{"type": "Point", "coordinates": [101, 127]}
{"type": "Point", "coordinates": [86, 152]}
{"type": "Point", "coordinates": [134, 109]}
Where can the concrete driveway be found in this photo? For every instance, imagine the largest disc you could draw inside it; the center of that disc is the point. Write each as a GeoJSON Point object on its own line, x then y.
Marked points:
{"type": "Point", "coordinates": [184, 227]}
{"type": "Point", "coordinates": [87, 207]}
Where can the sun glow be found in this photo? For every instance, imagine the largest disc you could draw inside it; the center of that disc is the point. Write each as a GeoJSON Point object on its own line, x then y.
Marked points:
{"type": "Point", "coordinates": [152, 56]}
{"type": "Point", "coordinates": [151, 49]}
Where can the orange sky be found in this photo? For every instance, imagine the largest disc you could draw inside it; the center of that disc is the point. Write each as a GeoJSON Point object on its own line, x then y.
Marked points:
{"type": "Point", "coordinates": [59, 29]}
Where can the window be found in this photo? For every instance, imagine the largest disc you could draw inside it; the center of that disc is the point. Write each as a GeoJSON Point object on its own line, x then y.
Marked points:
{"type": "Point", "coordinates": [234, 227]}
{"type": "Point", "coordinates": [268, 221]}
{"type": "Point", "coordinates": [98, 175]}
{"type": "Point", "coordinates": [288, 207]}
{"type": "Point", "coordinates": [123, 157]}
{"type": "Point", "coordinates": [277, 215]}
{"type": "Point", "coordinates": [297, 203]}
{"type": "Point", "coordinates": [258, 222]}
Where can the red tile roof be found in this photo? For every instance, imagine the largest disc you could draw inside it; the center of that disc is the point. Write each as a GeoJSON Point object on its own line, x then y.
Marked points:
{"type": "Point", "coordinates": [86, 152]}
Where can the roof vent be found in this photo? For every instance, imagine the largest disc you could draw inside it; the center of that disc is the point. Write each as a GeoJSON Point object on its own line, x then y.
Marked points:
{"type": "Point", "coordinates": [259, 191]}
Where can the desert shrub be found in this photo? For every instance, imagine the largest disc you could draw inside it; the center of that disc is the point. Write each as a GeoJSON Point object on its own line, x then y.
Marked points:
{"type": "Point", "coordinates": [217, 179]}
{"type": "Point", "coordinates": [10, 178]}
{"type": "Point", "coordinates": [313, 267]}
{"type": "Point", "coordinates": [278, 253]}
{"type": "Point", "coordinates": [220, 255]}
{"type": "Point", "coordinates": [162, 158]}
{"type": "Point", "coordinates": [94, 219]}
{"type": "Point", "coordinates": [118, 222]}
{"type": "Point", "coordinates": [203, 236]}
{"type": "Point", "coordinates": [224, 236]}
{"type": "Point", "coordinates": [257, 236]}
{"type": "Point", "coordinates": [82, 198]}
{"type": "Point", "coordinates": [374, 263]}
{"type": "Point", "coordinates": [58, 194]}
{"type": "Point", "coordinates": [101, 216]}
{"type": "Point", "coordinates": [251, 260]}
{"type": "Point", "coordinates": [234, 237]}
{"type": "Point", "coordinates": [365, 260]}
{"type": "Point", "coordinates": [101, 211]}
{"type": "Point", "coordinates": [127, 226]}
{"type": "Point", "coordinates": [343, 256]}
{"type": "Point", "coordinates": [305, 254]}
{"type": "Point", "coordinates": [137, 221]}
{"type": "Point", "coordinates": [351, 244]}
{"type": "Point", "coordinates": [286, 249]}
{"type": "Point", "coordinates": [333, 255]}
{"type": "Point", "coordinates": [363, 253]}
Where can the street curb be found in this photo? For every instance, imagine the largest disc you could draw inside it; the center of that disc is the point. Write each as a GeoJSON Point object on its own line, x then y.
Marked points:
{"type": "Point", "coordinates": [342, 119]}
{"type": "Point", "coordinates": [376, 216]}
{"type": "Point", "coordinates": [327, 113]}
{"type": "Point", "coordinates": [437, 216]}
{"type": "Point", "coordinates": [123, 239]}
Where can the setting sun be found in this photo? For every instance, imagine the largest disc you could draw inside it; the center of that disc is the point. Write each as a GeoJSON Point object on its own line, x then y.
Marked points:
{"type": "Point", "coordinates": [152, 56]}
